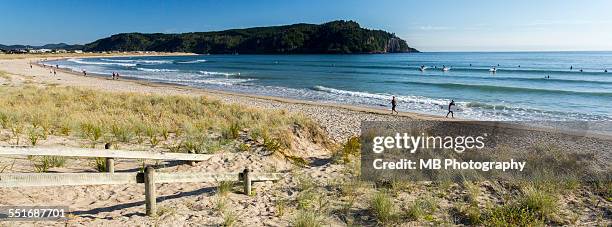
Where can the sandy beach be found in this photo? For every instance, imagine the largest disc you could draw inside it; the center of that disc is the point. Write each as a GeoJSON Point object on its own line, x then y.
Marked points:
{"type": "Point", "coordinates": [197, 204]}
{"type": "Point", "coordinates": [340, 121]}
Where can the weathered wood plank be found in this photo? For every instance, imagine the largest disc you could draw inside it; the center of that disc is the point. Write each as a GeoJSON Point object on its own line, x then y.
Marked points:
{"type": "Point", "coordinates": [61, 179]}
{"type": "Point", "coordinates": [194, 177]}
{"type": "Point", "coordinates": [87, 152]}
{"type": "Point", "coordinates": [266, 176]}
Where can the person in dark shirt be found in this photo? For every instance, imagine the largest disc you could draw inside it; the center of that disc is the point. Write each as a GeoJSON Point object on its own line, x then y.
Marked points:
{"type": "Point", "coordinates": [393, 105]}
{"type": "Point", "coordinates": [452, 103]}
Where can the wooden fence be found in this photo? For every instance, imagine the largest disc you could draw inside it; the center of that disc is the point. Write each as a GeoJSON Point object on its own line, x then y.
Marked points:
{"type": "Point", "coordinates": [149, 178]}
{"type": "Point", "coordinates": [110, 155]}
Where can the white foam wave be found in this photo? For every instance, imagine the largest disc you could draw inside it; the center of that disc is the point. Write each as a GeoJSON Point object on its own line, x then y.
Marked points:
{"type": "Point", "coordinates": [80, 61]}
{"type": "Point", "coordinates": [192, 62]}
{"type": "Point", "coordinates": [138, 61]}
{"type": "Point", "coordinates": [216, 81]}
{"type": "Point", "coordinates": [157, 70]}
{"type": "Point", "coordinates": [351, 93]}
{"type": "Point", "coordinates": [208, 73]}
{"type": "Point", "coordinates": [225, 81]}
{"type": "Point", "coordinates": [411, 99]}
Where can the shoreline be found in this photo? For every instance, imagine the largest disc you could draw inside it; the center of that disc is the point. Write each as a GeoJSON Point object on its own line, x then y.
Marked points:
{"type": "Point", "coordinates": [313, 109]}
{"type": "Point", "coordinates": [420, 116]}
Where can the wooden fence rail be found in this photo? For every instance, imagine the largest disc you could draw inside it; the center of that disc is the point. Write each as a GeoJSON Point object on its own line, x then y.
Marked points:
{"type": "Point", "coordinates": [110, 155]}
{"type": "Point", "coordinates": [102, 153]}
{"type": "Point", "coordinates": [62, 179]}
{"type": "Point", "coordinates": [150, 177]}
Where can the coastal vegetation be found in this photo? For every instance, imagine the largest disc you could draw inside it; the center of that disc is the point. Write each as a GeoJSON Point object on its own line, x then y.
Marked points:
{"type": "Point", "coordinates": [336, 37]}
{"type": "Point", "coordinates": [177, 123]}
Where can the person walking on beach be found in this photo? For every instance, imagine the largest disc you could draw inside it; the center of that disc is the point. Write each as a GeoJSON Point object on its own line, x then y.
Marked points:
{"type": "Point", "coordinates": [84, 73]}
{"type": "Point", "coordinates": [452, 103]}
{"type": "Point", "coordinates": [54, 73]}
{"type": "Point", "coordinates": [113, 75]}
{"type": "Point", "coordinates": [393, 105]}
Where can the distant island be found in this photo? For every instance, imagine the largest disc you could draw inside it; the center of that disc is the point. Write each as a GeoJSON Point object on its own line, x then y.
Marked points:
{"type": "Point", "coordinates": [336, 37]}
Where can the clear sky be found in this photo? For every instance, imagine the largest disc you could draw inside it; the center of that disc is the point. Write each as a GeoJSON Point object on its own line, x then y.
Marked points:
{"type": "Point", "coordinates": [438, 25]}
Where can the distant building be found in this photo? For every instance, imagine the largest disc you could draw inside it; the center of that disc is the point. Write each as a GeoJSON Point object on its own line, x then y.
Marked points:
{"type": "Point", "coordinates": [17, 51]}
{"type": "Point", "coordinates": [77, 51]}
{"type": "Point", "coordinates": [61, 51]}
{"type": "Point", "coordinates": [39, 51]}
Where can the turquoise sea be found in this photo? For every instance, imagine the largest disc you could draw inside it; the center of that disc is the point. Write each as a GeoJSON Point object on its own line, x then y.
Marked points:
{"type": "Point", "coordinates": [525, 86]}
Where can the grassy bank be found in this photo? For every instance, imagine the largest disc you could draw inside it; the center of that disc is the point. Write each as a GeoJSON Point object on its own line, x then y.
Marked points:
{"type": "Point", "coordinates": [176, 123]}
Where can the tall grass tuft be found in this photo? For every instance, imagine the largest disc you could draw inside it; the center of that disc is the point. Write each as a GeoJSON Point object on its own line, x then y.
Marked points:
{"type": "Point", "coordinates": [422, 208]}
{"type": "Point", "coordinates": [382, 207]}
{"type": "Point", "coordinates": [225, 187]}
{"type": "Point", "coordinates": [34, 135]}
{"type": "Point", "coordinates": [100, 164]}
{"type": "Point", "coordinates": [305, 218]}
{"type": "Point", "coordinates": [42, 164]}
{"type": "Point", "coordinates": [352, 148]}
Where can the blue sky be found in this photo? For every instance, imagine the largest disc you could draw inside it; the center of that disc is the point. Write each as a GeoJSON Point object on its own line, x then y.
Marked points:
{"type": "Point", "coordinates": [442, 25]}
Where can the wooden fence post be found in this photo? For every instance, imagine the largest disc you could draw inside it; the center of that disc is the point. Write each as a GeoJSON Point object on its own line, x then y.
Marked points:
{"type": "Point", "coordinates": [150, 195]}
{"type": "Point", "coordinates": [110, 165]}
{"type": "Point", "coordinates": [191, 163]}
{"type": "Point", "coordinates": [110, 162]}
{"type": "Point", "coordinates": [247, 181]}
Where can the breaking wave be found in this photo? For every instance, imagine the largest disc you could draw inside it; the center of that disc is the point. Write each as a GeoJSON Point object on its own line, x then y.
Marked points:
{"type": "Point", "coordinates": [191, 62]}
{"type": "Point", "coordinates": [138, 61]}
{"type": "Point", "coordinates": [157, 70]}
{"type": "Point", "coordinates": [80, 61]}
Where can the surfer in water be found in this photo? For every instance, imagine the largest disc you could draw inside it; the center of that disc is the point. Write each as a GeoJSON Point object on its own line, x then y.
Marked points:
{"type": "Point", "coordinates": [452, 103]}
{"type": "Point", "coordinates": [393, 105]}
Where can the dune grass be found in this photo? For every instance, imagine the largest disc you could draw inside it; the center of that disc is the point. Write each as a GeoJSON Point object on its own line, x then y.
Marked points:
{"type": "Point", "coordinates": [178, 123]}
{"type": "Point", "coordinates": [305, 218]}
{"type": "Point", "coordinates": [381, 206]}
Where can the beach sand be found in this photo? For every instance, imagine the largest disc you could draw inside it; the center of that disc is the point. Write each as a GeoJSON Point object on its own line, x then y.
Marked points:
{"type": "Point", "coordinates": [340, 121]}
{"type": "Point", "coordinates": [197, 203]}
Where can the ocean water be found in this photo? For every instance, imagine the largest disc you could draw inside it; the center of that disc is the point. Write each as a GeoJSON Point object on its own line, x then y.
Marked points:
{"type": "Point", "coordinates": [519, 90]}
